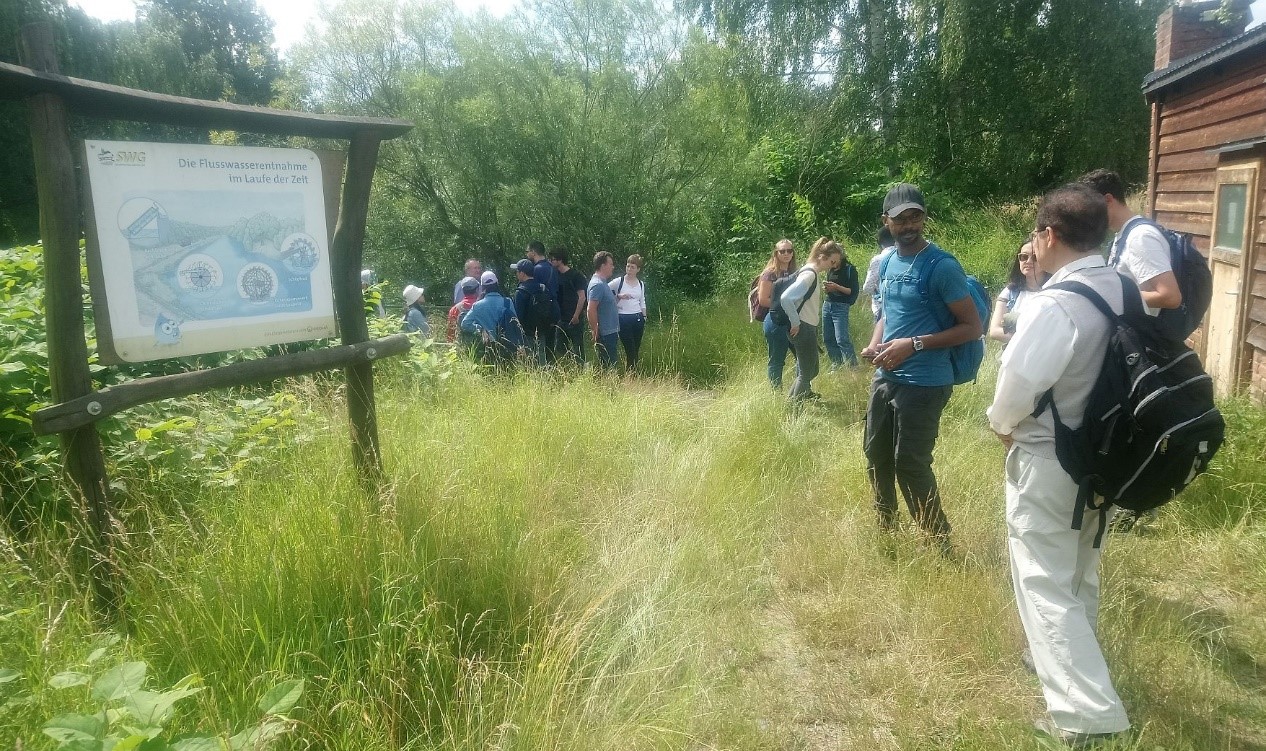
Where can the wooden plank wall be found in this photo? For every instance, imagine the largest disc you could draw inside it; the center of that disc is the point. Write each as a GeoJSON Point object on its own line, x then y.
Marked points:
{"type": "Point", "coordinates": [1215, 111]}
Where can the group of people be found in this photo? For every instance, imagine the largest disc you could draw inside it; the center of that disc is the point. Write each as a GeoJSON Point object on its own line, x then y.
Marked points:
{"type": "Point", "coordinates": [546, 317]}
{"type": "Point", "coordinates": [1054, 341]}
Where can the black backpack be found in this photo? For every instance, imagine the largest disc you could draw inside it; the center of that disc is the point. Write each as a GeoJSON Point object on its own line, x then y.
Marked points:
{"type": "Point", "coordinates": [777, 312]}
{"type": "Point", "coordinates": [539, 312]}
{"type": "Point", "coordinates": [1190, 268]}
{"type": "Point", "coordinates": [1150, 425]}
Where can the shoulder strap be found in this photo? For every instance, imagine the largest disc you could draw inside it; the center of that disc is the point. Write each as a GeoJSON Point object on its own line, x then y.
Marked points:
{"type": "Point", "coordinates": [1131, 300]}
{"type": "Point", "coordinates": [620, 287]}
{"type": "Point", "coordinates": [1114, 254]}
{"type": "Point", "coordinates": [929, 266]}
{"type": "Point", "coordinates": [808, 294]}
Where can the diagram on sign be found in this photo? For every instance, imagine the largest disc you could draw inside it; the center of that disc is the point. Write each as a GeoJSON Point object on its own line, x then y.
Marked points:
{"type": "Point", "coordinates": [233, 266]}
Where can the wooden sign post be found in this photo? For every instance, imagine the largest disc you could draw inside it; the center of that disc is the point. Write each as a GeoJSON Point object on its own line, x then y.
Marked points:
{"type": "Point", "coordinates": [53, 98]}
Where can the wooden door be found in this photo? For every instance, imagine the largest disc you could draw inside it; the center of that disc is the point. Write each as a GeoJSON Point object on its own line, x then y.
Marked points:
{"type": "Point", "coordinates": [1234, 206]}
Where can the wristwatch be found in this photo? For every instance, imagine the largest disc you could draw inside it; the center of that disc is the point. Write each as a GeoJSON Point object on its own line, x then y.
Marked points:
{"type": "Point", "coordinates": [918, 343]}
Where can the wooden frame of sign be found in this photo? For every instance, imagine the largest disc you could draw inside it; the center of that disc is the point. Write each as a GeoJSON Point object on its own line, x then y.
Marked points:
{"type": "Point", "coordinates": [52, 98]}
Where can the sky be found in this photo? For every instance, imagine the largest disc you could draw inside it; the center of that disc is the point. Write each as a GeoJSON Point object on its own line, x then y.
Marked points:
{"type": "Point", "coordinates": [291, 16]}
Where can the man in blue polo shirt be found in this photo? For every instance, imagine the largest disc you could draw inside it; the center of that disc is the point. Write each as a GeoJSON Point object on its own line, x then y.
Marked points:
{"type": "Point", "coordinates": [604, 319]}
{"type": "Point", "coordinates": [914, 377]}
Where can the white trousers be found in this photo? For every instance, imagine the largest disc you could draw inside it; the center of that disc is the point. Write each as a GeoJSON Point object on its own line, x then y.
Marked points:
{"type": "Point", "coordinates": [1055, 570]}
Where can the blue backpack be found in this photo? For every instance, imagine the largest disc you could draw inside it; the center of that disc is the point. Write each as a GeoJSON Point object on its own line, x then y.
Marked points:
{"type": "Point", "coordinates": [965, 358]}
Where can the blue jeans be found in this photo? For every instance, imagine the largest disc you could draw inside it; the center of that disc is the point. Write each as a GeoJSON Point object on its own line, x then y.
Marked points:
{"type": "Point", "coordinates": [632, 326]}
{"type": "Point", "coordinates": [605, 350]}
{"type": "Point", "coordinates": [778, 338]}
{"type": "Point", "coordinates": [839, 345]}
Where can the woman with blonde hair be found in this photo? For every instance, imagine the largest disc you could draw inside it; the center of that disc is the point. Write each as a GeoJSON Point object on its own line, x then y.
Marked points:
{"type": "Point", "coordinates": [781, 263]}
{"type": "Point", "coordinates": [802, 302]}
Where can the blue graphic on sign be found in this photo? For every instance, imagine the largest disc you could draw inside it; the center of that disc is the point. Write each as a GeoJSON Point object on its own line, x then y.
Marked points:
{"type": "Point", "coordinates": [255, 264]}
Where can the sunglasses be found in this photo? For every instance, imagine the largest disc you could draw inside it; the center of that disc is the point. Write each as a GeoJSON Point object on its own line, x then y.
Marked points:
{"type": "Point", "coordinates": [786, 251]}
{"type": "Point", "coordinates": [1025, 256]}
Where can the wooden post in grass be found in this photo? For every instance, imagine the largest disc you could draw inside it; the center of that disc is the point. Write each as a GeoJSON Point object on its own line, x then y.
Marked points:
{"type": "Point", "coordinates": [349, 306]}
{"type": "Point", "coordinates": [78, 407]}
{"type": "Point", "coordinates": [63, 304]}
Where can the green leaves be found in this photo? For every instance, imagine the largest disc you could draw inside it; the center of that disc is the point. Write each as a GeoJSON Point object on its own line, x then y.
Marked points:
{"type": "Point", "coordinates": [69, 728]}
{"type": "Point", "coordinates": [120, 682]}
{"type": "Point", "coordinates": [282, 698]}
{"type": "Point", "coordinates": [132, 717]}
{"type": "Point", "coordinates": [69, 679]}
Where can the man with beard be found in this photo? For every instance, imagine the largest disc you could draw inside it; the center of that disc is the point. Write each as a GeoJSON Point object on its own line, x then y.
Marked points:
{"type": "Point", "coordinates": [919, 286]}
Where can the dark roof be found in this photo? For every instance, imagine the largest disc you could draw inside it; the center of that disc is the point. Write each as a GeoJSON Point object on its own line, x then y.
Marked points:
{"type": "Point", "coordinates": [1192, 64]}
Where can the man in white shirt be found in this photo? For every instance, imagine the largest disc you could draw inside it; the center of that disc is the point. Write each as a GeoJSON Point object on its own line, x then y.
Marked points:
{"type": "Point", "coordinates": [1059, 344]}
{"type": "Point", "coordinates": [1140, 252]}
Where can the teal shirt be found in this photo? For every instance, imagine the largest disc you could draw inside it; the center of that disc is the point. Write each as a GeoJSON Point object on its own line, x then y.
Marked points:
{"type": "Point", "coordinates": [906, 313]}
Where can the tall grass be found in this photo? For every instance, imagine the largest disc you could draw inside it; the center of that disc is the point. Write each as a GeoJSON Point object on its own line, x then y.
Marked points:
{"type": "Point", "coordinates": [581, 562]}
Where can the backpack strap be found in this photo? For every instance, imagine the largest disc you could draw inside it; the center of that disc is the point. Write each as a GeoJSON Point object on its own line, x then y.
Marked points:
{"type": "Point", "coordinates": [1114, 253]}
{"type": "Point", "coordinates": [804, 300]}
{"type": "Point", "coordinates": [620, 287]}
{"type": "Point", "coordinates": [1085, 489]}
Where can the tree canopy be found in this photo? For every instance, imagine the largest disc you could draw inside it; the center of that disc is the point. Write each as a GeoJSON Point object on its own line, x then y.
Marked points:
{"type": "Point", "coordinates": [692, 134]}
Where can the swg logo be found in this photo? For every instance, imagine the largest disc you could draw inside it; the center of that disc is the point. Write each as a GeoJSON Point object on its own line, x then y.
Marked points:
{"type": "Point", "coordinates": [122, 158]}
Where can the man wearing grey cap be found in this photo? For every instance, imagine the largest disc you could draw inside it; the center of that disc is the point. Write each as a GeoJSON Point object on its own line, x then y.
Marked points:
{"type": "Point", "coordinates": [926, 309]}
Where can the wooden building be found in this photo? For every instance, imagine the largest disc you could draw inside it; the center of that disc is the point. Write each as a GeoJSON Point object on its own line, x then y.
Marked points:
{"type": "Point", "coordinates": [1205, 173]}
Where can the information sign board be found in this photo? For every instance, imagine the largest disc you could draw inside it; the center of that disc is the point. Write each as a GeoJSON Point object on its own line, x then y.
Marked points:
{"type": "Point", "coordinates": [206, 248]}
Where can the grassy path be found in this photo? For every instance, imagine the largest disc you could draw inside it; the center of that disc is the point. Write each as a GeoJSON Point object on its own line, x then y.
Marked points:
{"type": "Point", "coordinates": [590, 564]}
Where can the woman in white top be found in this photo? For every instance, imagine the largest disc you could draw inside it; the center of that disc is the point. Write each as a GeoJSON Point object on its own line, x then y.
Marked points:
{"type": "Point", "coordinates": [1025, 280]}
{"type": "Point", "coordinates": [630, 303]}
{"type": "Point", "coordinates": [802, 302]}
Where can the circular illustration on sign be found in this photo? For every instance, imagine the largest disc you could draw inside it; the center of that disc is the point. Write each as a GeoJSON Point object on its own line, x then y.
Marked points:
{"type": "Point", "coordinates": [300, 253]}
{"type": "Point", "coordinates": [143, 221]}
{"type": "Point", "coordinates": [200, 274]}
{"type": "Point", "coordinates": [257, 283]}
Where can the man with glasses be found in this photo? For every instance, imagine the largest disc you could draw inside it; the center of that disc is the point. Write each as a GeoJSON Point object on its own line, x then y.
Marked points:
{"type": "Point", "coordinates": [920, 285]}
{"type": "Point", "coordinates": [1059, 344]}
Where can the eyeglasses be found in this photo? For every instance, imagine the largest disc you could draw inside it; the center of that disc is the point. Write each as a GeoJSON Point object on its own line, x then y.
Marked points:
{"type": "Point", "coordinates": [1024, 256]}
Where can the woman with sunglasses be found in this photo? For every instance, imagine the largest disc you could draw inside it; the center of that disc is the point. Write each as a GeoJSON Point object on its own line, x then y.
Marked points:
{"type": "Point", "coordinates": [777, 338]}
{"type": "Point", "coordinates": [1024, 280]}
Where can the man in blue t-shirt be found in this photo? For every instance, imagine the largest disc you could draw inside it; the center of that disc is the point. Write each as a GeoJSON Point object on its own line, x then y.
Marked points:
{"type": "Point", "coordinates": [914, 377]}
{"type": "Point", "coordinates": [604, 319]}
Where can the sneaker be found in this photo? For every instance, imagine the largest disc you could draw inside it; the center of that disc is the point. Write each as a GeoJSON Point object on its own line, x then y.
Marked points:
{"type": "Point", "coordinates": [1123, 522]}
{"type": "Point", "coordinates": [1072, 738]}
{"type": "Point", "coordinates": [813, 396]}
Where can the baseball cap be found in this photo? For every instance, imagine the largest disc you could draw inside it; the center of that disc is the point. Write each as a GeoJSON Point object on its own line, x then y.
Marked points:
{"type": "Point", "coordinates": [469, 283]}
{"type": "Point", "coordinates": [524, 266]}
{"type": "Point", "coordinates": [488, 279]}
{"type": "Point", "coordinates": [902, 197]}
{"type": "Point", "coordinates": [411, 294]}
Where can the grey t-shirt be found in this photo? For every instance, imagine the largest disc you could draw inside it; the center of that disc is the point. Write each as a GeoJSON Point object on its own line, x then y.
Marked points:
{"type": "Point", "coordinates": [608, 317]}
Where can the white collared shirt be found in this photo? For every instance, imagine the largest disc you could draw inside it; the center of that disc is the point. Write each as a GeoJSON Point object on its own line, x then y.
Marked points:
{"type": "Point", "coordinates": [1059, 344]}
